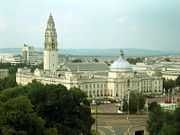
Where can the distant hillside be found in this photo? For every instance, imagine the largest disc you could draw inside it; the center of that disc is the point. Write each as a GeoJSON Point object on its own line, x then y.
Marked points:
{"type": "Point", "coordinates": [100, 52]}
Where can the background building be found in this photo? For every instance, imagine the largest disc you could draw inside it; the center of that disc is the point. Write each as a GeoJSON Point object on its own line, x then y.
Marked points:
{"type": "Point", "coordinates": [31, 56]}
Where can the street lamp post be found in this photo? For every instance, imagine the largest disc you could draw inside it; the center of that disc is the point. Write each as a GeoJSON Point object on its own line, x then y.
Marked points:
{"type": "Point", "coordinates": [128, 105]}
{"type": "Point", "coordinates": [147, 105]}
{"type": "Point", "coordinates": [138, 104]}
{"type": "Point", "coordinates": [168, 94]}
{"type": "Point", "coordinates": [95, 103]}
{"type": "Point", "coordinates": [96, 118]}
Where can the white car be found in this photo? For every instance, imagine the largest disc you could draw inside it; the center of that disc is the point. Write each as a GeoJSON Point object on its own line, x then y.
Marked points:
{"type": "Point", "coordinates": [118, 105]}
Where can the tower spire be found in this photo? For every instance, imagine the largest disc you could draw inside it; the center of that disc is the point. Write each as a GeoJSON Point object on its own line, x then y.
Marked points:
{"type": "Point", "coordinates": [50, 34]}
{"type": "Point", "coordinates": [50, 46]}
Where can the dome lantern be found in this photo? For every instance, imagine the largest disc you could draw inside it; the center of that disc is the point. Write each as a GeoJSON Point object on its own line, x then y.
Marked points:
{"type": "Point", "coordinates": [121, 63]}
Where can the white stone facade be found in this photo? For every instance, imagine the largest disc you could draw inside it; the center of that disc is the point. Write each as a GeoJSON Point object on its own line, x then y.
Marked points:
{"type": "Point", "coordinates": [95, 79]}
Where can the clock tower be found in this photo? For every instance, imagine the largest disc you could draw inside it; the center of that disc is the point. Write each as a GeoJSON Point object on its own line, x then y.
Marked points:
{"type": "Point", "coordinates": [50, 47]}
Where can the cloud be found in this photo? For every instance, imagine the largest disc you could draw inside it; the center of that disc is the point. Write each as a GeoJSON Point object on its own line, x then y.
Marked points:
{"type": "Point", "coordinates": [134, 28]}
{"type": "Point", "coordinates": [3, 24]}
{"type": "Point", "coordinates": [123, 20]}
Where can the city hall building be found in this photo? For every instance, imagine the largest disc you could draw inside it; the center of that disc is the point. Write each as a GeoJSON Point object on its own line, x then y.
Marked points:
{"type": "Point", "coordinates": [97, 80]}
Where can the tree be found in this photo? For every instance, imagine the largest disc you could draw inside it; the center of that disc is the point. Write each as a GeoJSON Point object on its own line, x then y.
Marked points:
{"type": "Point", "coordinates": [167, 59]}
{"type": "Point", "coordinates": [78, 60]}
{"type": "Point", "coordinates": [95, 60]}
{"type": "Point", "coordinates": [155, 119]}
{"type": "Point", "coordinates": [18, 117]}
{"type": "Point", "coordinates": [168, 129]}
{"type": "Point", "coordinates": [152, 106]}
{"type": "Point", "coordinates": [82, 109]}
{"type": "Point", "coordinates": [64, 111]}
{"type": "Point", "coordinates": [168, 84]}
{"type": "Point", "coordinates": [135, 60]}
{"type": "Point", "coordinates": [125, 106]}
{"type": "Point", "coordinates": [133, 103]}
{"type": "Point", "coordinates": [68, 111]}
{"type": "Point", "coordinates": [159, 121]}
{"type": "Point", "coordinates": [177, 81]}
{"type": "Point", "coordinates": [8, 82]}
{"type": "Point", "coordinates": [136, 102]}
{"type": "Point", "coordinates": [162, 122]}
{"type": "Point", "coordinates": [141, 99]}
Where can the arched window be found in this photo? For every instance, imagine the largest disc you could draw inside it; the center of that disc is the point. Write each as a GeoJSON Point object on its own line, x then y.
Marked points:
{"type": "Point", "coordinates": [128, 82]}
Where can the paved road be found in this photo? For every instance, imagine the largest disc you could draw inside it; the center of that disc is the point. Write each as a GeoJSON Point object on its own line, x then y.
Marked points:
{"type": "Point", "coordinates": [120, 130]}
{"type": "Point", "coordinates": [106, 130]}
{"type": "Point", "coordinates": [118, 124]}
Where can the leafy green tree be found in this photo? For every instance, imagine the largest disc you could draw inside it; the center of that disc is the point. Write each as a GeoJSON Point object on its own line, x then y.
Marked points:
{"type": "Point", "coordinates": [163, 122]}
{"type": "Point", "coordinates": [152, 106]}
{"type": "Point", "coordinates": [177, 81]}
{"type": "Point", "coordinates": [18, 117]}
{"type": "Point", "coordinates": [68, 111]}
{"type": "Point", "coordinates": [13, 68]}
{"type": "Point", "coordinates": [168, 129]}
{"type": "Point", "coordinates": [167, 59]}
{"type": "Point", "coordinates": [168, 84]}
{"type": "Point", "coordinates": [141, 100]}
{"type": "Point", "coordinates": [78, 60]}
{"type": "Point", "coordinates": [155, 119]}
{"type": "Point", "coordinates": [8, 82]}
{"type": "Point", "coordinates": [133, 103]}
{"type": "Point", "coordinates": [95, 60]}
{"type": "Point", "coordinates": [82, 110]}
{"type": "Point", "coordinates": [64, 111]}
{"type": "Point", "coordinates": [171, 123]}
{"type": "Point", "coordinates": [176, 114]}
{"type": "Point", "coordinates": [125, 106]}
{"type": "Point", "coordinates": [136, 102]}
{"type": "Point", "coordinates": [135, 60]}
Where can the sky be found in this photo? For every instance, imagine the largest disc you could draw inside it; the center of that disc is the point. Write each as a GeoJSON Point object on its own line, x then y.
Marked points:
{"type": "Point", "coordinates": [97, 24]}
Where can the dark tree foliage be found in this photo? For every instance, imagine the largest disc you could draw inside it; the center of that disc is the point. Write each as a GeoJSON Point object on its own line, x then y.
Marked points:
{"type": "Point", "coordinates": [135, 60]}
{"type": "Point", "coordinates": [95, 60]}
{"type": "Point", "coordinates": [78, 60]}
{"type": "Point", "coordinates": [82, 110]}
{"type": "Point", "coordinates": [136, 103]}
{"type": "Point", "coordinates": [5, 65]}
{"type": "Point", "coordinates": [18, 117]}
{"type": "Point", "coordinates": [162, 122]}
{"type": "Point", "coordinates": [168, 84]}
{"type": "Point", "coordinates": [39, 66]}
{"type": "Point", "coordinates": [152, 106]}
{"type": "Point", "coordinates": [12, 69]}
{"type": "Point", "coordinates": [125, 106]}
{"type": "Point", "coordinates": [167, 59]}
{"type": "Point", "coordinates": [7, 82]}
{"type": "Point", "coordinates": [133, 103]}
{"type": "Point", "coordinates": [168, 129]}
{"type": "Point", "coordinates": [65, 112]}
{"type": "Point", "coordinates": [155, 120]}
{"type": "Point", "coordinates": [177, 81]}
